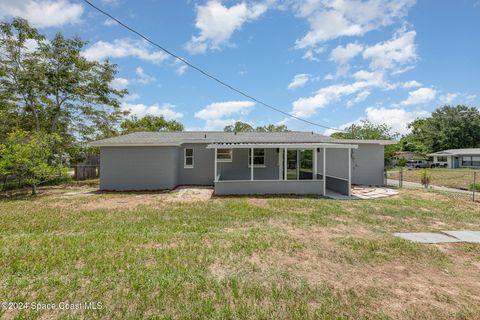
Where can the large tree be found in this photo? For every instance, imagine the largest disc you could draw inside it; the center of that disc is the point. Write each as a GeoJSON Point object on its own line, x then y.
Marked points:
{"type": "Point", "coordinates": [447, 128]}
{"type": "Point", "coordinates": [27, 157]}
{"type": "Point", "coordinates": [150, 123]}
{"type": "Point", "coordinates": [368, 130]}
{"type": "Point", "coordinates": [53, 88]}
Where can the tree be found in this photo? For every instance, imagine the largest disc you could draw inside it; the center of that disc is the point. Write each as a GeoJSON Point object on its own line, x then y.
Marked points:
{"type": "Point", "coordinates": [447, 128]}
{"type": "Point", "coordinates": [27, 156]}
{"type": "Point", "coordinates": [54, 88]}
{"type": "Point", "coordinates": [368, 130]}
{"type": "Point", "coordinates": [272, 128]}
{"type": "Point", "coordinates": [240, 126]}
{"type": "Point", "coordinates": [150, 123]}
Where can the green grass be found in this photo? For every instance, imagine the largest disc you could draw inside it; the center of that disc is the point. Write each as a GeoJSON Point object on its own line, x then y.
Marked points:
{"type": "Point", "coordinates": [454, 178]}
{"type": "Point", "coordinates": [293, 258]}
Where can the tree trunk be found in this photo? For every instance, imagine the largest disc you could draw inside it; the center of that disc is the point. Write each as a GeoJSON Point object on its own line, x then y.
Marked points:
{"type": "Point", "coordinates": [34, 189]}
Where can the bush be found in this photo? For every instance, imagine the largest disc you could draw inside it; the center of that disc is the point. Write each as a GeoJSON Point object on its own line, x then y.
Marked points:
{"type": "Point", "coordinates": [475, 186]}
{"type": "Point", "coordinates": [402, 162]}
{"type": "Point", "coordinates": [425, 178]}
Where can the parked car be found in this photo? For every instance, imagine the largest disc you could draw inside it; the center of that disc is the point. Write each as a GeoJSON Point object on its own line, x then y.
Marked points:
{"type": "Point", "coordinates": [418, 164]}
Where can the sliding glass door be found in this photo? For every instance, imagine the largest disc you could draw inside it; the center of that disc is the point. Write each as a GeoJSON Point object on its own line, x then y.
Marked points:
{"type": "Point", "coordinates": [299, 164]}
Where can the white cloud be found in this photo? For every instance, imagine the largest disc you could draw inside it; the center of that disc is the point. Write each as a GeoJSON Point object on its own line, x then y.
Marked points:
{"type": "Point", "coordinates": [312, 54]}
{"type": "Point", "coordinates": [306, 107]}
{"type": "Point", "coordinates": [42, 13]}
{"type": "Point", "coordinates": [342, 55]}
{"type": "Point", "coordinates": [143, 78]}
{"type": "Point", "coordinates": [448, 98]}
{"type": "Point", "coordinates": [217, 23]}
{"type": "Point", "coordinates": [122, 48]}
{"type": "Point", "coordinates": [298, 81]}
{"type": "Point", "coordinates": [110, 22]}
{"type": "Point", "coordinates": [215, 114]}
{"type": "Point", "coordinates": [411, 84]}
{"type": "Point", "coordinates": [362, 96]}
{"type": "Point", "coordinates": [119, 83]}
{"type": "Point", "coordinates": [391, 54]}
{"type": "Point", "coordinates": [131, 97]}
{"type": "Point", "coordinates": [397, 118]}
{"type": "Point", "coordinates": [140, 110]}
{"type": "Point", "coordinates": [420, 96]}
{"type": "Point", "coordinates": [332, 19]}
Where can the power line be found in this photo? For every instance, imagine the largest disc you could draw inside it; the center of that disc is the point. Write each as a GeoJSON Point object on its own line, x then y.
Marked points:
{"type": "Point", "coordinates": [205, 73]}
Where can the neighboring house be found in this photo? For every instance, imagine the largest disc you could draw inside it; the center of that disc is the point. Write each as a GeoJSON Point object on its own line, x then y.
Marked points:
{"type": "Point", "coordinates": [408, 155]}
{"type": "Point", "coordinates": [282, 162]}
{"type": "Point", "coordinates": [457, 158]}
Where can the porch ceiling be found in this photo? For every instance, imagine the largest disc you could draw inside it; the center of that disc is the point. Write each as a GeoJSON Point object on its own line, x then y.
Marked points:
{"type": "Point", "coordinates": [281, 145]}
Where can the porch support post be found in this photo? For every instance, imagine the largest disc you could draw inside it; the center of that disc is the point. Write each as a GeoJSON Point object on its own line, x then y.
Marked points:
{"type": "Point", "coordinates": [349, 171]}
{"type": "Point", "coordinates": [215, 171]}
{"type": "Point", "coordinates": [285, 164]}
{"type": "Point", "coordinates": [314, 151]}
{"type": "Point", "coordinates": [324, 174]}
{"type": "Point", "coordinates": [251, 164]}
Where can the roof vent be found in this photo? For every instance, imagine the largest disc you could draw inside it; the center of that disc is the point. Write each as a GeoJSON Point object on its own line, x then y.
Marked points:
{"type": "Point", "coordinates": [235, 132]}
{"type": "Point", "coordinates": [312, 132]}
{"type": "Point", "coordinates": [205, 136]}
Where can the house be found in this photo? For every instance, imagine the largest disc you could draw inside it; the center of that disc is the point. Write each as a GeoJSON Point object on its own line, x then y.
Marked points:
{"type": "Point", "coordinates": [457, 158]}
{"type": "Point", "coordinates": [240, 162]}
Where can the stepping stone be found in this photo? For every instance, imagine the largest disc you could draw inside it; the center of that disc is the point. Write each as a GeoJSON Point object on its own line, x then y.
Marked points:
{"type": "Point", "coordinates": [465, 235]}
{"type": "Point", "coordinates": [426, 237]}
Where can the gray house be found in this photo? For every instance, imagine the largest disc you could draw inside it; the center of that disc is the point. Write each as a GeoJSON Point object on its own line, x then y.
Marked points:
{"type": "Point", "coordinates": [457, 158]}
{"type": "Point", "coordinates": [240, 163]}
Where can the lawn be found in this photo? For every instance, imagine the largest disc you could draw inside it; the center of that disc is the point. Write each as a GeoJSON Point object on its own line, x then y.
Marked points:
{"type": "Point", "coordinates": [154, 255]}
{"type": "Point", "coordinates": [454, 178]}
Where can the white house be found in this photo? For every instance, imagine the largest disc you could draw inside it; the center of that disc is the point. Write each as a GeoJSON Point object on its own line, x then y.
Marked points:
{"type": "Point", "coordinates": [457, 158]}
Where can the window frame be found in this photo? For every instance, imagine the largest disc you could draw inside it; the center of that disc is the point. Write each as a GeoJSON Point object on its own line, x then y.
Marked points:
{"type": "Point", "coordinates": [230, 152]}
{"type": "Point", "coordinates": [442, 159]}
{"type": "Point", "coordinates": [254, 156]}
{"type": "Point", "coordinates": [185, 165]}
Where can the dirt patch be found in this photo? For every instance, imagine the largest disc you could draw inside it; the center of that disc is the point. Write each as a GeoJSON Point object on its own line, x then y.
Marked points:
{"type": "Point", "coordinates": [402, 283]}
{"type": "Point", "coordinates": [190, 194]}
{"type": "Point", "coordinates": [258, 202]}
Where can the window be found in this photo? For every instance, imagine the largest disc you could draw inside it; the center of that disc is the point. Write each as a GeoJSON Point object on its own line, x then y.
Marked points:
{"type": "Point", "coordinates": [442, 159]}
{"type": "Point", "coordinates": [467, 161]}
{"type": "Point", "coordinates": [224, 155]}
{"type": "Point", "coordinates": [188, 162]}
{"type": "Point", "coordinates": [258, 157]}
{"type": "Point", "coordinates": [476, 161]}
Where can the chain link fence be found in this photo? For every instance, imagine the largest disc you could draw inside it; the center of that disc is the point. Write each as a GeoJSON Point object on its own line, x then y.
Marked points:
{"type": "Point", "coordinates": [464, 183]}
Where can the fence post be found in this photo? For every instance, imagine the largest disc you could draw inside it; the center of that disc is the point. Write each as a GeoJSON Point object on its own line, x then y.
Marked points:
{"type": "Point", "coordinates": [400, 178]}
{"type": "Point", "coordinates": [474, 184]}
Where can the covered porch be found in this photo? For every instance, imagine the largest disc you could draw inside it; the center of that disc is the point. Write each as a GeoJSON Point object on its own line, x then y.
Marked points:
{"type": "Point", "coordinates": [282, 168]}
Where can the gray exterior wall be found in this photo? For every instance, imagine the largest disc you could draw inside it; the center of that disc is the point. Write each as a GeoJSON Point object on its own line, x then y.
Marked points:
{"type": "Point", "coordinates": [368, 164]}
{"type": "Point", "coordinates": [138, 168]}
{"type": "Point", "coordinates": [155, 168]}
{"type": "Point", "coordinates": [238, 169]}
{"type": "Point", "coordinates": [269, 187]}
{"type": "Point", "coordinates": [203, 166]}
{"type": "Point", "coordinates": [339, 185]}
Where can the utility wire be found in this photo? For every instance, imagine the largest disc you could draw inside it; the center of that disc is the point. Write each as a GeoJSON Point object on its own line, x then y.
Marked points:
{"type": "Point", "coordinates": [205, 73]}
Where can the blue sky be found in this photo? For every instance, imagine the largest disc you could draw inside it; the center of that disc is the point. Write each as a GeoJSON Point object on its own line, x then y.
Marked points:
{"type": "Point", "coordinates": [333, 62]}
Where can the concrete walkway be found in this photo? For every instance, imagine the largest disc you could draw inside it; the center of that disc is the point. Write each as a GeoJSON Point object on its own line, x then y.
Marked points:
{"type": "Point", "coordinates": [416, 185]}
{"type": "Point", "coordinates": [468, 236]}
{"type": "Point", "coordinates": [363, 193]}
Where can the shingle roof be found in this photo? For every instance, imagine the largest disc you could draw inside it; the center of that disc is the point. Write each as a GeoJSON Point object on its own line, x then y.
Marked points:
{"type": "Point", "coordinates": [178, 138]}
{"type": "Point", "coordinates": [467, 151]}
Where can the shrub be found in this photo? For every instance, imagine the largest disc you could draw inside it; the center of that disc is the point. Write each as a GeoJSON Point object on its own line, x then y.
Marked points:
{"type": "Point", "coordinates": [402, 162]}
{"type": "Point", "coordinates": [475, 186]}
{"type": "Point", "coordinates": [425, 178]}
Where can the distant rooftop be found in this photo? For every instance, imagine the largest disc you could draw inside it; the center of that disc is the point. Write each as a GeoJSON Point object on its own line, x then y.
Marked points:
{"type": "Point", "coordinates": [454, 152]}
{"type": "Point", "coordinates": [182, 137]}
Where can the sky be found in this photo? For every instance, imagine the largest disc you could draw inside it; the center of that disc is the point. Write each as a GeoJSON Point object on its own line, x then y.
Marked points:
{"type": "Point", "coordinates": [332, 62]}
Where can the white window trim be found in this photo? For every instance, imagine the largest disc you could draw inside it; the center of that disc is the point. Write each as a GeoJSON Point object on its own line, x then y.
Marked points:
{"type": "Point", "coordinates": [185, 165]}
{"type": "Point", "coordinates": [257, 165]}
{"type": "Point", "coordinates": [225, 160]}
